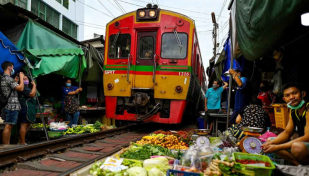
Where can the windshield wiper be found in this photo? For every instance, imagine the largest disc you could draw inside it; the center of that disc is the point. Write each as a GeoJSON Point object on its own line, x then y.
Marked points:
{"type": "Point", "coordinates": [115, 40]}
{"type": "Point", "coordinates": [178, 40]}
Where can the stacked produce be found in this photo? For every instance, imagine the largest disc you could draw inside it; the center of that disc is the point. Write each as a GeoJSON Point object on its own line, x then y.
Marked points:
{"type": "Point", "coordinates": [38, 125]}
{"type": "Point", "coordinates": [158, 154]}
{"type": "Point", "coordinates": [151, 167]}
{"type": "Point", "coordinates": [142, 152]}
{"type": "Point", "coordinates": [90, 128]}
{"type": "Point", "coordinates": [167, 141]}
{"type": "Point", "coordinates": [218, 167]}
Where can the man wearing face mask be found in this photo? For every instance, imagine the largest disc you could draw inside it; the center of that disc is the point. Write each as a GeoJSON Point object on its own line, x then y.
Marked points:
{"type": "Point", "coordinates": [9, 88]}
{"type": "Point", "coordinates": [213, 101]}
{"type": "Point", "coordinates": [297, 150]}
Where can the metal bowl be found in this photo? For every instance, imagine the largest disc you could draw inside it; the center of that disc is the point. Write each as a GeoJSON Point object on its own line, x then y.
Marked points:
{"type": "Point", "coordinates": [202, 131]}
{"type": "Point", "coordinates": [252, 129]}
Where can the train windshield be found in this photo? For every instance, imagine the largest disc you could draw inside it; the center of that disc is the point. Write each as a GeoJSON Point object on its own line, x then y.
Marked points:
{"type": "Point", "coordinates": [170, 48]}
{"type": "Point", "coordinates": [119, 46]}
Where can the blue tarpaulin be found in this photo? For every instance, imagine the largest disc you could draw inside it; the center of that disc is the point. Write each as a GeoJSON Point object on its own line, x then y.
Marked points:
{"type": "Point", "coordinates": [9, 52]}
{"type": "Point", "coordinates": [227, 62]}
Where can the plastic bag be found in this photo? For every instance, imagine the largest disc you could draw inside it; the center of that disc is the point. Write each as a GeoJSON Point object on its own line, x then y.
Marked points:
{"type": "Point", "coordinates": [277, 83]}
{"type": "Point", "coordinates": [267, 135]}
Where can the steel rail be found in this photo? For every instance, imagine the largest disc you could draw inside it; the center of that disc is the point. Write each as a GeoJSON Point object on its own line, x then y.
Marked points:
{"type": "Point", "coordinates": [23, 153]}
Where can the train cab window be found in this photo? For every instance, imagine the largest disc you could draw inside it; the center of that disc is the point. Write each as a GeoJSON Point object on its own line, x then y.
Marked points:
{"type": "Point", "coordinates": [146, 45]}
{"type": "Point", "coordinates": [119, 46]}
{"type": "Point", "coordinates": [170, 48]}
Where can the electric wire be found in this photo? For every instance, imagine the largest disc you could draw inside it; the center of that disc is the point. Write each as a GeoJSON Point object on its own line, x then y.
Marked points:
{"type": "Point", "coordinates": [94, 8]}
{"type": "Point", "coordinates": [114, 6]}
{"type": "Point", "coordinates": [106, 8]}
{"type": "Point", "coordinates": [119, 5]}
{"type": "Point", "coordinates": [223, 5]}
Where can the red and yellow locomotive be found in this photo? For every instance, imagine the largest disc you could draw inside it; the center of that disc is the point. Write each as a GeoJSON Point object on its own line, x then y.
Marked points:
{"type": "Point", "coordinates": [153, 69]}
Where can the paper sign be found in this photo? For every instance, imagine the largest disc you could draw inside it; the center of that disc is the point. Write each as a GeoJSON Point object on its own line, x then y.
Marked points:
{"type": "Point", "coordinates": [113, 164]}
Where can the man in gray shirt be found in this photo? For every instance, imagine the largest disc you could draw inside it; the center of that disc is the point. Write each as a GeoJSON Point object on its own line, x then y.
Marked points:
{"type": "Point", "coordinates": [9, 88]}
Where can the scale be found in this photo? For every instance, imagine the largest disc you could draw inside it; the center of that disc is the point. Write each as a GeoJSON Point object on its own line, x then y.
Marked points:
{"type": "Point", "coordinates": [202, 141]}
{"type": "Point", "coordinates": [250, 143]}
{"type": "Point", "coordinates": [200, 138]}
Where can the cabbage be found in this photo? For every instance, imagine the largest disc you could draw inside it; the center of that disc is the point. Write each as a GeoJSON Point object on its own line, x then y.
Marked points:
{"type": "Point", "coordinates": [137, 171]}
{"type": "Point", "coordinates": [155, 172]}
{"type": "Point", "coordinates": [159, 163]}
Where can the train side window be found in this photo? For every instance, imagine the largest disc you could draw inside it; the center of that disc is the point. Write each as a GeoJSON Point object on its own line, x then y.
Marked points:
{"type": "Point", "coordinates": [119, 47]}
{"type": "Point", "coordinates": [146, 47]}
{"type": "Point", "coordinates": [170, 46]}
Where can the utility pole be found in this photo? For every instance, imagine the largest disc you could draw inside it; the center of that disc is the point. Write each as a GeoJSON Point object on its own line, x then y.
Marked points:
{"type": "Point", "coordinates": [215, 28]}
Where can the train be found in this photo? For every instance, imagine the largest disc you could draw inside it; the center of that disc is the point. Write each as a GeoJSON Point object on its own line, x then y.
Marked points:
{"type": "Point", "coordinates": [153, 69]}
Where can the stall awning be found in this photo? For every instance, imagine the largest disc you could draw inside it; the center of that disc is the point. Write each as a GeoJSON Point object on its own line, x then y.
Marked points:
{"type": "Point", "coordinates": [95, 60]}
{"type": "Point", "coordinates": [261, 24]}
{"type": "Point", "coordinates": [64, 62]}
{"type": "Point", "coordinates": [36, 36]}
{"type": "Point", "coordinates": [9, 52]}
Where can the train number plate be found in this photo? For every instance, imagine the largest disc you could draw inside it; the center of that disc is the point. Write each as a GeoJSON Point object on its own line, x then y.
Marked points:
{"type": "Point", "coordinates": [108, 72]}
{"type": "Point", "coordinates": [184, 73]}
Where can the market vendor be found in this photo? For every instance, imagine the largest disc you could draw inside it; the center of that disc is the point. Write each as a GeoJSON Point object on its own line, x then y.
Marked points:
{"type": "Point", "coordinates": [213, 101]}
{"type": "Point", "coordinates": [241, 97]}
{"type": "Point", "coordinates": [70, 105]}
{"type": "Point", "coordinates": [253, 115]}
{"type": "Point", "coordinates": [265, 94]}
{"type": "Point", "coordinates": [297, 150]}
{"type": "Point", "coordinates": [28, 108]}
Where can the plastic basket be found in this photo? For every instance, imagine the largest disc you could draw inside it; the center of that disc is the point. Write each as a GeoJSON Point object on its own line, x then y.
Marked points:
{"type": "Point", "coordinates": [171, 172]}
{"type": "Point", "coordinates": [259, 171]}
{"type": "Point", "coordinates": [281, 115]}
{"type": "Point", "coordinates": [55, 134]}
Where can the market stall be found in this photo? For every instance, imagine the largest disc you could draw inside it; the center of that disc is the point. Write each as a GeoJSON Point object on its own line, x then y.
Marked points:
{"type": "Point", "coordinates": [185, 153]}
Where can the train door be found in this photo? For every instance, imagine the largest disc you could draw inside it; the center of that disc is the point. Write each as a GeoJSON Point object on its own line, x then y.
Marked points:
{"type": "Point", "coordinates": [145, 60]}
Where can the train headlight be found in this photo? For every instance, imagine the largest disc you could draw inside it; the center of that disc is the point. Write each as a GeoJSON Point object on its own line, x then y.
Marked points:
{"type": "Point", "coordinates": [178, 89]}
{"type": "Point", "coordinates": [141, 14]}
{"type": "Point", "coordinates": [152, 13]}
{"type": "Point", "coordinates": [110, 86]}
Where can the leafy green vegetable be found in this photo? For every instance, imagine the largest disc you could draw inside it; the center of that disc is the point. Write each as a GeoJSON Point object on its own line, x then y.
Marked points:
{"type": "Point", "coordinates": [140, 152]}
{"type": "Point", "coordinates": [97, 125]}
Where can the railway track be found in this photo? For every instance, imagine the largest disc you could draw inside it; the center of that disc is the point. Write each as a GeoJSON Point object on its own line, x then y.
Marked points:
{"type": "Point", "coordinates": [67, 155]}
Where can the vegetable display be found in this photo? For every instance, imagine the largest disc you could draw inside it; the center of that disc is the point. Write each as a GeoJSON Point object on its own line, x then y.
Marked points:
{"type": "Point", "coordinates": [160, 163]}
{"type": "Point", "coordinates": [81, 129]}
{"type": "Point", "coordinates": [267, 164]}
{"type": "Point", "coordinates": [38, 125]}
{"type": "Point", "coordinates": [218, 168]}
{"type": "Point", "coordinates": [142, 152]}
{"type": "Point", "coordinates": [168, 141]}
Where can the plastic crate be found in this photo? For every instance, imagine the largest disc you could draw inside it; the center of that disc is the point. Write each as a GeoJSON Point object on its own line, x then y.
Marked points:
{"type": "Point", "coordinates": [259, 171]}
{"type": "Point", "coordinates": [281, 115]}
{"type": "Point", "coordinates": [171, 172]}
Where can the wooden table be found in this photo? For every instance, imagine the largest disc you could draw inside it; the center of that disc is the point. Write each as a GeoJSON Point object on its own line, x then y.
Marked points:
{"type": "Point", "coordinates": [216, 117]}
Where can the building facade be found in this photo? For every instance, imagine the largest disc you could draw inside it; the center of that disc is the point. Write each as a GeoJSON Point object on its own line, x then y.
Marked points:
{"type": "Point", "coordinates": [66, 15]}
